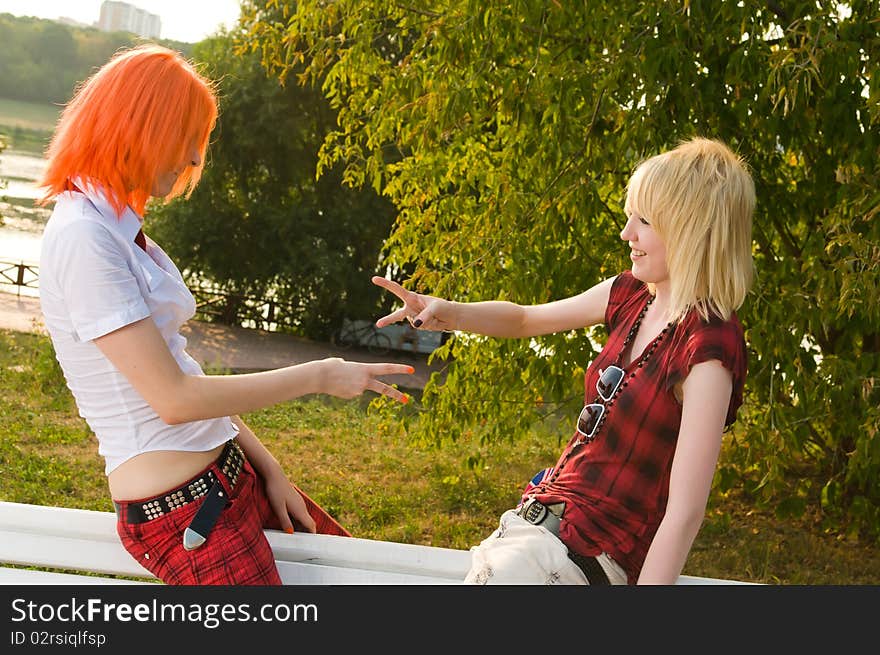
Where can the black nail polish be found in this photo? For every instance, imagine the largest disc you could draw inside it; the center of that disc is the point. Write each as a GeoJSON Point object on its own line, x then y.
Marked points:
{"type": "Point", "coordinates": [417, 322]}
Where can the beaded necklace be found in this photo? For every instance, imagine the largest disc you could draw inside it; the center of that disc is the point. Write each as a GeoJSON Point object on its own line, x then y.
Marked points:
{"type": "Point", "coordinates": [649, 350]}
{"type": "Point", "coordinates": [646, 355]}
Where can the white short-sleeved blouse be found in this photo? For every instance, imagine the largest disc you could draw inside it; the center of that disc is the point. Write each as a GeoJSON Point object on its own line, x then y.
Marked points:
{"type": "Point", "coordinates": [93, 280]}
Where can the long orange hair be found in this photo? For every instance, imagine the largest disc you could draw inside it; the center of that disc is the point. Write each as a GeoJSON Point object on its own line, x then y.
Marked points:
{"type": "Point", "coordinates": [139, 116]}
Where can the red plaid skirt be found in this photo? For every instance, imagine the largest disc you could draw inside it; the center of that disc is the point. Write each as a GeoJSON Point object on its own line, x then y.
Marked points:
{"type": "Point", "coordinates": [236, 552]}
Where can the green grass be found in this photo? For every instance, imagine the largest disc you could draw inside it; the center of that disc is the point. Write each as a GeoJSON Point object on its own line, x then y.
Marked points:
{"type": "Point", "coordinates": [27, 126]}
{"type": "Point", "coordinates": [354, 458]}
{"type": "Point", "coordinates": [28, 115]}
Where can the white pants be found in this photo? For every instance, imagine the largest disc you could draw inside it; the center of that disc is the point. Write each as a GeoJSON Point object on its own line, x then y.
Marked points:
{"type": "Point", "coordinates": [519, 552]}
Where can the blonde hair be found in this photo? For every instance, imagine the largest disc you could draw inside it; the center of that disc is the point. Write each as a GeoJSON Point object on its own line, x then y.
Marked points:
{"type": "Point", "coordinates": [699, 198]}
{"type": "Point", "coordinates": [137, 117]}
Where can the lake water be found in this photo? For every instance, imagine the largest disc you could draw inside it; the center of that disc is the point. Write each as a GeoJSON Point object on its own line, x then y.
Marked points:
{"type": "Point", "coordinates": [21, 169]}
{"type": "Point", "coordinates": [22, 222]}
{"type": "Point", "coordinates": [22, 228]}
{"type": "Point", "coordinates": [19, 245]}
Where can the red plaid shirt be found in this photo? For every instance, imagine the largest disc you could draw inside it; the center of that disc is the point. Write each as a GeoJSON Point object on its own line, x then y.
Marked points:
{"type": "Point", "coordinates": [616, 487]}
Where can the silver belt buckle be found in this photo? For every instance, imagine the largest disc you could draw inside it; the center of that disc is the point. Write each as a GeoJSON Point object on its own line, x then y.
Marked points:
{"type": "Point", "coordinates": [535, 511]}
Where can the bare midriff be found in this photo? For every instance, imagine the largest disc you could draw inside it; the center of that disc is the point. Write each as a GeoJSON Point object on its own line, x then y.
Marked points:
{"type": "Point", "coordinates": [150, 474]}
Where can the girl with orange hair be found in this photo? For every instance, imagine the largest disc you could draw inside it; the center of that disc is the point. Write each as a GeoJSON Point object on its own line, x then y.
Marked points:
{"type": "Point", "coordinates": [192, 485]}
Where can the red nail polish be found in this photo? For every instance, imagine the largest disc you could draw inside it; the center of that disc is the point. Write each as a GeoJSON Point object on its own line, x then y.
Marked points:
{"type": "Point", "coordinates": [288, 530]}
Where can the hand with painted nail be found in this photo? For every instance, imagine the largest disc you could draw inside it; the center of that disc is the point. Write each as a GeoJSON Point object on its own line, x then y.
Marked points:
{"type": "Point", "coordinates": [284, 499]}
{"type": "Point", "coordinates": [422, 311]}
{"type": "Point", "coordinates": [346, 379]}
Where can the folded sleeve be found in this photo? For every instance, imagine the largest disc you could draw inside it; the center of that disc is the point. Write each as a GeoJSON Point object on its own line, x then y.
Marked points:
{"type": "Point", "coordinates": [724, 342]}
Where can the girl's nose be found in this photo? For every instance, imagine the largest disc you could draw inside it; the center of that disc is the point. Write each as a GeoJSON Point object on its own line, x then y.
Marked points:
{"type": "Point", "coordinates": [626, 233]}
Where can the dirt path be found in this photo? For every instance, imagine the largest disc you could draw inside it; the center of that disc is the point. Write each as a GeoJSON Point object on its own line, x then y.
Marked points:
{"type": "Point", "coordinates": [218, 347]}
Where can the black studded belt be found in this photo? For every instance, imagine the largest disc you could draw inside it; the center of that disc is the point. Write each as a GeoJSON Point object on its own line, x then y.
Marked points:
{"type": "Point", "coordinates": [230, 463]}
{"type": "Point", "coordinates": [550, 517]}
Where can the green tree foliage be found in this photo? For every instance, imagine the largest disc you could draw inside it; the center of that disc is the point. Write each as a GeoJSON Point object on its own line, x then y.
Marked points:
{"type": "Point", "coordinates": [505, 132]}
{"type": "Point", "coordinates": [260, 224]}
{"type": "Point", "coordinates": [42, 60]}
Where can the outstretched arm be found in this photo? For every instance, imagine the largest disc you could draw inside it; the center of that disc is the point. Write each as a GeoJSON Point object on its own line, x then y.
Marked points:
{"type": "Point", "coordinates": [498, 318]}
{"type": "Point", "coordinates": [706, 396]}
{"type": "Point", "coordinates": [140, 353]}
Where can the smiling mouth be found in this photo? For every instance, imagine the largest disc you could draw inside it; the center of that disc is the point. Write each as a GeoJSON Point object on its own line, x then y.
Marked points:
{"type": "Point", "coordinates": [637, 253]}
